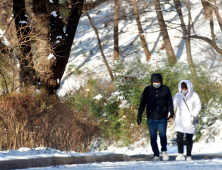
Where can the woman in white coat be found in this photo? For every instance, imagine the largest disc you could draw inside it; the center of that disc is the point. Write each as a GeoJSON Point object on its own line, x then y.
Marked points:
{"type": "Point", "coordinates": [188, 104]}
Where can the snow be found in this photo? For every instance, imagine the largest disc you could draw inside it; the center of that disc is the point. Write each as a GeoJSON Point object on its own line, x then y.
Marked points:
{"type": "Point", "coordinates": [59, 37]}
{"type": "Point", "coordinates": [41, 152]}
{"type": "Point", "coordinates": [124, 104]}
{"type": "Point", "coordinates": [99, 96]}
{"type": "Point", "coordinates": [58, 41]}
{"type": "Point", "coordinates": [140, 147]}
{"type": "Point", "coordinates": [54, 13]}
{"type": "Point", "coordinates": [51, 56]}
{"type": "Point", "coordinates": [23, 22]}
{"type": "Point", "coordinates": [5, 41]}
{"type": "Point", "coordinates": [215, 164]}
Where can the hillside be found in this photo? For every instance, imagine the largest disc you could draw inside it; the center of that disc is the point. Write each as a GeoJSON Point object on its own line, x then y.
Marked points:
{"type": "Point", "coordinates": [86, 60]}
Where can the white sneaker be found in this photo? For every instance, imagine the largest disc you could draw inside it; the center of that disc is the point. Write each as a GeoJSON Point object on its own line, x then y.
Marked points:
{"type": "Point", "coordinates": [189, 158]}
{"type": "Point", "coordinates": [165, 156]}
{"type": "Point", "coordinates": [156, 158]}
{"type": "Point", "coordinates": [180, 157]}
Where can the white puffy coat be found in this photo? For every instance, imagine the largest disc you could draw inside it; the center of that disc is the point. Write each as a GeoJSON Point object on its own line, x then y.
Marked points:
{"type": "Point", "coordinates": [183, 115]}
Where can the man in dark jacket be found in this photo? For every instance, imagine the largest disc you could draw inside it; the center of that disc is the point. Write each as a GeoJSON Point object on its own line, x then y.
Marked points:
{"type": "Point", "coordinates": [158, 102]}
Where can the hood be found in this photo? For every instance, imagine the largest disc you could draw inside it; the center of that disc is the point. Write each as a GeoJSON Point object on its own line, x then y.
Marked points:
{"type": "Point", "coordinates": [156, 77]}
{"type": "Point", "coordinates": [190, 89]}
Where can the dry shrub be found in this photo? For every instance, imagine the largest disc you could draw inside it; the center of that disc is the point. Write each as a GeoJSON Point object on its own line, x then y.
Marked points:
{"type": "Point", "coordinates": [28, 120]}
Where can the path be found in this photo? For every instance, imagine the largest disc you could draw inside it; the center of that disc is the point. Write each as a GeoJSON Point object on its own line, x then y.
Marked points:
{"type": "Point", "coordinates": [173, 156]}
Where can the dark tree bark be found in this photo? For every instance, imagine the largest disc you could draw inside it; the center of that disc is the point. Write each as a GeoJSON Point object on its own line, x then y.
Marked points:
{"type": "Point", "coordinates": [140, 29]}
{"type": "Point", "coordinates": [116, 29]}
{"type": "Point", "coordinates": [28, 74]}
{"type": "Point", "coordinates": [50, 38]}
{"type": "Point", "coordinates": [186, 34]}
{"type": "Point", "coordinates": [100, 46]}
{"type": "Point", "coordinates": [166, 39]}
{"type": "Point", "coordinates": [62, 46]}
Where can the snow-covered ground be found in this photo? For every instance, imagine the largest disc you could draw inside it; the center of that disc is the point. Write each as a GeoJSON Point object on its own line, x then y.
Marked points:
{"type": "Point", "coordinates": [215, 164]}
{"type": "Point", "coordinates": [28, 153]}
{"type": "Point", "coordinates": [135, 149]}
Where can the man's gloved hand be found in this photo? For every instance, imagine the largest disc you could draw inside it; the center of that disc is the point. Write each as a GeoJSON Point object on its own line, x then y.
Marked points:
{"type": "Point", "coordinates": [139, 119]}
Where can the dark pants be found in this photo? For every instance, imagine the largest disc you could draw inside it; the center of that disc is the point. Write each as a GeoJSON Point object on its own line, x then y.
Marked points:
{"type": "Point", "coordinates": [161, 125]}
{"type": "Point", "coordinates": [189, 138]}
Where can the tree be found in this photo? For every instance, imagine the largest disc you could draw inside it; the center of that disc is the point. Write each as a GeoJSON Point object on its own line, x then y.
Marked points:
{"type": "Point", "coordinates": [140, 29]}
{"type": "Point", "coordinates": [211, 42]}
{"type": "Point", "coordinates": [4, 12]}
{"type": "Point", "coordinates": [186, 34]}
{"type": "Point", "coordinates": [166, 39]}
{"type": "Point", "coordinates": [28, 74]}
{"type": "Point", "coordinates": [100, 46]}
{"type": "Point", "coordinates": [53, 44]}
{"type": "Point", "coordinates": [116, 29]}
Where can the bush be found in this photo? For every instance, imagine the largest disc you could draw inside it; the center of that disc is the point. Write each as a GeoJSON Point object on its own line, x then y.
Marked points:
{"type": "Point", "coordinates": [29, 120]}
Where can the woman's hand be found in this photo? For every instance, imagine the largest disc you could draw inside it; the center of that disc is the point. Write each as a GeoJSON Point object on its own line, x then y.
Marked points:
{"type": "Point", "coordinates": [169, 119]}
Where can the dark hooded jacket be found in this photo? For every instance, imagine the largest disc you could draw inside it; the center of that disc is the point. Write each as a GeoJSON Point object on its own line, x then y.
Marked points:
{"type": "Point", "coordinates": [158, 101]}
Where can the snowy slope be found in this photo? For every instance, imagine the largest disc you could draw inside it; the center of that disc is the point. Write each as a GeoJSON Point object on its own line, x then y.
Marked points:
{"type": "Point", "coordinates": [85, 54]}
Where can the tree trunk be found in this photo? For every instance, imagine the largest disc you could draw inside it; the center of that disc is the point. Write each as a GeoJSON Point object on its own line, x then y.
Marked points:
{"type": "Point", "coordinates": [116, 29]}
{"type": "Point", "coordinates": [41, 19]}
{"type": "Point", "coordinates": [188, 47]}
{"type": "Point", "coordinates": [28, 75]}
{"type": "Point", "coordinates": [167, 43]}
{"type": "Point", "coordinates": [4, 12]}
{"type": "Point", "coordinates": [48, 20]}
{"type": "Point", "coordinates": [219, 20]}
{"type": "Point", "coordinates": [140, 29]}
{"type": "Point", "coordinates": [62, 48]}
{"type": "Point", "coordinates": [206, 7]}
{"type": "Point", "coordinates": [100, 46]}
{"type": "Point", "coordinates": [186, 35]}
